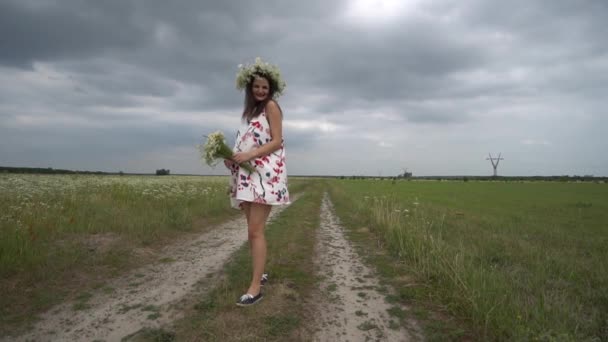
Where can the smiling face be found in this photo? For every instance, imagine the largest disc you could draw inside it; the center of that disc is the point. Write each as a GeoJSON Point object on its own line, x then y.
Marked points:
{"type": "Point", "coordinates": [260, 88]}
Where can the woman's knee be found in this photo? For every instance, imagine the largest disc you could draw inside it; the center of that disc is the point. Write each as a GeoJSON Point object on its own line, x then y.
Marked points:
{"type": "Point", "coordinates": [256, 232]}
{"type": "Point", "coordinates": [258, 215]}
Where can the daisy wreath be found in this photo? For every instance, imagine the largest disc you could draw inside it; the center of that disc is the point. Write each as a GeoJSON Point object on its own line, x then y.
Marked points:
{"type": "Point", "coordinates": [247, 73]}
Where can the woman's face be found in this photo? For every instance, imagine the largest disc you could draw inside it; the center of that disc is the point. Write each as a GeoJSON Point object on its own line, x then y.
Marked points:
{"type": "Point", "coordinates": [260, 88]}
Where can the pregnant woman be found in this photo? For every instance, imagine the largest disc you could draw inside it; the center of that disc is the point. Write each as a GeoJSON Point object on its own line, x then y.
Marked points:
{"type": "Point", "coordinates": [259, 142]}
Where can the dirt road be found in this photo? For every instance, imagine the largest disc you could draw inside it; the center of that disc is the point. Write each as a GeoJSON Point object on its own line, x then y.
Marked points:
{"type": "Point", "coordinates": [349, 302]}
{"type": "Point", "coordinates": [146, 297]}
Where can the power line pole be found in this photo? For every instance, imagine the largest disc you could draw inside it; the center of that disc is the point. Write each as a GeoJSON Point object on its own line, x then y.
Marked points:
{"type": "Point", "coordinates": [495, 165]}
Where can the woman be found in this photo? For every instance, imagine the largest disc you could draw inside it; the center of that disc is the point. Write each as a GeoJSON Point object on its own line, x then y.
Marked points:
{"type": "Point", "coordinates": [260, 143]}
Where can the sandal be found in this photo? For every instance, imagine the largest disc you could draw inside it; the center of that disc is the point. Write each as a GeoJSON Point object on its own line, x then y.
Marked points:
{"type": "Point", "coordinates": [264, 279]}
{"type": "Point", "coordinates": [248, 299]}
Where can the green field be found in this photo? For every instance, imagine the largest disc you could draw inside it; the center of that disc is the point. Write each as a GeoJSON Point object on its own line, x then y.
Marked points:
{"type": "Point", "coordinates": [60, 234]}
{"type": "Point", "coordinates": [500, 261]}
{"type": "Point", "coordinates": [39, 210]}
{"type": "Point", "coordinates": [513, 261]}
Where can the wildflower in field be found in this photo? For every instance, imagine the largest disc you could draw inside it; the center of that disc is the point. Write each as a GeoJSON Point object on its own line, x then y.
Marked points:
{"type": "Point", "coordinates": [215, 148]}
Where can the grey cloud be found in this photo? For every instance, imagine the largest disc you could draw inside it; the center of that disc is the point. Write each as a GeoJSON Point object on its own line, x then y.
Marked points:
{"type": "Point", "coordinates": [51, 32]}
{"type": "Point", "coordinates": [466, 66]}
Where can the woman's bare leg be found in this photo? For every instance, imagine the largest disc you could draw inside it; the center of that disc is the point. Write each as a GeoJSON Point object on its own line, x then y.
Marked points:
{"type": "Point", "coordinates": [258, 214]}
{"type": "Point", "coordinates": [246, 209]}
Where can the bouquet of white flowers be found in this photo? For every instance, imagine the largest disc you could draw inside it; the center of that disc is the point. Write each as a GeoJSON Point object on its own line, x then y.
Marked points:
{"type": "Point", "coordinates": [215, 148]}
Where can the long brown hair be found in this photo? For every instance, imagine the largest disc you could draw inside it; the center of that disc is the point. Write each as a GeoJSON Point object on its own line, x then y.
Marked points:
{"type": "Point", "coordinates": [253, 108]}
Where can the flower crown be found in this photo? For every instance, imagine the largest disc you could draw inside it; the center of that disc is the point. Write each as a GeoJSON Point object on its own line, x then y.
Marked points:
{"type": "Point", "coordinates": [248, 71]}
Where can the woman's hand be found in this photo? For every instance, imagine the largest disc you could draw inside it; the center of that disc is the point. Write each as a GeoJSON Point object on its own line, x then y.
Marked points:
{"type": "Point", "coordinates": [241, 157]}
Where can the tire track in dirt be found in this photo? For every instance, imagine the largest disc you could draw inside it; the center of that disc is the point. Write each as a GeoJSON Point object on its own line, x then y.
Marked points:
{"type": "Point", "coordinates": [148, 297]}
{"type": "Point", "coordinates": [348, 305]}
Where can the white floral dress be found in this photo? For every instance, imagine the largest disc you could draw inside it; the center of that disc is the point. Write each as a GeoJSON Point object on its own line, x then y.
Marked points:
{"type": "Point", "coordinates": [268, 184]}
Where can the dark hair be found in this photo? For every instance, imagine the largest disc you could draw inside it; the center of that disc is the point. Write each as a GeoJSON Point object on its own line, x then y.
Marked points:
{"type": "Point", "coordinates": [253, 108]}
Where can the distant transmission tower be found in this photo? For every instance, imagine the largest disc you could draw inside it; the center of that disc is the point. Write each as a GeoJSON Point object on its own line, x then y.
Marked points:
{"type": "Point", "coordinates": [495, 165]}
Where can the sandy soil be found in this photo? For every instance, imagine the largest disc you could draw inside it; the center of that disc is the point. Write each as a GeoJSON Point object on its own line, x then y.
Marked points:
{"type": "Point", "coordinates": [348, 305]}
{"type": "Point", "coordinates": [148, 297]}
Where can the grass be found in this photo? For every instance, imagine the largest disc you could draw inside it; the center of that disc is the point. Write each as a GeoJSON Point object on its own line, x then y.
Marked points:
{"type": "Point", "coordinates": [149, 334]}
{"type": "Point", "coordinates": [40, 213]}
{"type": "Point", "coordinates": [502, 261]}
{"type": "Point", "coordinates": [279, 316]}
{"type": "Point", "coordinates": [488, 261]}
{"type": "Point", "coordinates": [360, 313]}
{"type": "Point", "coordinates": [62, 235]}
{"type": "Point", "coordinates": [367, 325]}
{"type": "Point", "coordinates": [82, 301]}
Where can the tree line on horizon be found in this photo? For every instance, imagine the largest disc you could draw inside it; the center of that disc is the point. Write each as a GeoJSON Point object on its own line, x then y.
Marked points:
{"type": "Point", "coordinates": [401, 177]}
{"type": "Point", "coordinates": [50, 170]}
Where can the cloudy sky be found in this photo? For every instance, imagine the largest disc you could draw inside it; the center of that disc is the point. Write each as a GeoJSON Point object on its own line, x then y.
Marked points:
{"type": "Point", "coordinates": [373, 86]}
